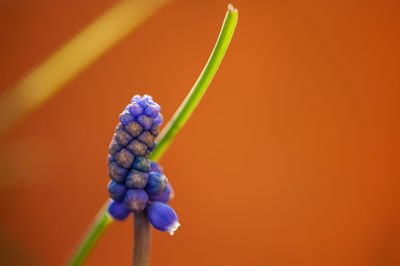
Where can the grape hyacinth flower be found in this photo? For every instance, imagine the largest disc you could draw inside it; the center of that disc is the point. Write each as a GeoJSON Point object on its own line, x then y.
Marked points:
{"type": "Point", "coordinates": [138, 184]}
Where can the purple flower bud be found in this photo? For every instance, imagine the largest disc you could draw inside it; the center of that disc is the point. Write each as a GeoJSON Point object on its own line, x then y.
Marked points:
{"type": "Point", "coordinates": [135, 109]}
{"type": "Point", "coordinates": [136, 179]}
{"type": "Point", "coordinates": [138, 148]}
{"type": "Point", "coordinates": [147, 138]}
{"type": "Point", "coordinates": [151, 148]}
{"type": "Point", "coordinates": [147, 154]}
{"type": "Point", "coordinates": [116, 190]}
{"type": "Point", "coordinates": [142, 102]}
{"type": "Point", "coordinates": [118, 127]}
{"type": "Point", "coordinates": [145, 121]}
{"type": "Point", "coordinates": [110, 159]}
{"type": "Point", "coordinates": [154, 130]}
{"type": "Point", "coordinates": [136, 98]}
{"type": "Point", "coordinates": [114, 147]}
{"type": "Point", "coordinates": [125, 158]}
{"type": "Point", "coordinates": [157, 106]}
{"type": "Point", "coordinates": [151, 111]}
{"type": "Point", "coordinates": [154, 167]}
{"type": "Point", "coordinates": [134, 129]}
{"type": "Point", "coordinates": [148, 98]}
{"type": "Point", "coordinates": [162, 217]}
{"type": "Point", "coordinates": [158, 119]}
{"type": "Point", "coordinates": [125, 117]}
{"type": "Point", "coordinates": [157, 183]}
{"type": "Point", "coordinates": [141, 164]}
{"type": "Point", "coordinates": [117, 172]}
{"type": "Point", "coordinates": [122, 137]}
{"type": "Point", "coordinates": [136, 200]}
{"type": "Point", "coordinates": [118, 211]}
{"type": "Point", "coordinates": [165, 197]}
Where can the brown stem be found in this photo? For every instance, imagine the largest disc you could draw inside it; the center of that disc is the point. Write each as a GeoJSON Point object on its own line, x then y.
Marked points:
{"type": "Point", "coordinates": [142, 239]}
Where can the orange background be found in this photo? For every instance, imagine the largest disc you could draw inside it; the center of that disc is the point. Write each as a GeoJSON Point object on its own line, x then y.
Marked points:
{"type": "Point", "coordinates": [292, 157]}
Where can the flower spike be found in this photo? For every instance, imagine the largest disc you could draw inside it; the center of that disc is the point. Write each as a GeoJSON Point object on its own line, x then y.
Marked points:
{"type": "Point", "coordinates": [136, 182]}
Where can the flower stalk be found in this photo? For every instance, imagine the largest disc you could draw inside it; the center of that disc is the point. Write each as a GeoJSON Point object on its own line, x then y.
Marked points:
{"type": "Point", "coordinates": [142, 240]}
{"type": "Point", "coordinates": [141, 223]}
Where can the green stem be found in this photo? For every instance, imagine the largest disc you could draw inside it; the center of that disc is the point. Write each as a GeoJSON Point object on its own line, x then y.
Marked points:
{"type": "Point", "coordinates": [184, 111]}
{"type": "Point", "coordinates": [98, 227]}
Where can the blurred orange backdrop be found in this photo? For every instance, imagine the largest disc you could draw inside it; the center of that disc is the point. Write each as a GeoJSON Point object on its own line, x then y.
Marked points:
{"type": "Point", "coordinates": [292, 157]}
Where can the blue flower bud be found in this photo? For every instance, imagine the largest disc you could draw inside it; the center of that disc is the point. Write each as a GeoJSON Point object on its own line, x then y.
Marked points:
{"type": "Point", "coordinates": [165, 197]}
{"type": "Point", "coordinates": [158, 119]}
{"type": "Point", "coordinates": [145, 121]}
{"type": "Point", "coordinates": [118, 211]}
{"type": "Point", "coordinates": [136, 200]}
{"type": "Point", "coordinates": [148, 98]}
{"type": "Point", "coordinates": [162, 217]}
{"type": "Point", "coordinates": [157, 106]}
{"type": "Point", "coordinates": [117, 172]}
{"type": "Point", "coordinates": [154, 167]}
{"type": "Point", "coordinates": [123, 137]}
{"type": "Point", "coordinates": [147, 138]}
{"type": "Point", "coordinates": [147, 154]}
{"type": "Point", "coordinates": [126, 117]}
{"type": "Point", "coordinates": [118, 127]}
{"type": "Point", "coordinates": [151, 148]}
{"type": "Point", "coordinates": [134, 129]}
{"type": "Point", "coordinates": [114, 147]}
{"type": "Point", "coordinates": [151, 111]}
{"type": "Point", "coordinates": [138, 148]}
{"type": "Point", "coordinates": [142, 102]}
{"type": "Point", "coordinates": [125, 158]}
{"type": "Point", "coordinates": [157, 183]}
{"type": "Point", "coordinates": [141, 164]}
{"type": "Point", "coordinates": [154, 130]}
{"type": "Point", "coordinates": [135, 109]}
{"type": "Point", "coordinates": [110, 159]}
{"type": "Point", "coordinates": [116, 190]}
{"type": "Point", "coordinates": [136, 98]}
{"type": "Point", "coordinates": [136, 179]}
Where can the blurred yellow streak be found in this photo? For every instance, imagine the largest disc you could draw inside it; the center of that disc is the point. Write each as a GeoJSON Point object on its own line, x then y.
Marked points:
{"type": "Point", "coordinates": [72, 58]}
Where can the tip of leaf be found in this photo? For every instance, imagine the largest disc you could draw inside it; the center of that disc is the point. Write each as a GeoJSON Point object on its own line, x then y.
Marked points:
{"type": "Point", "coordinates": [231, 9]}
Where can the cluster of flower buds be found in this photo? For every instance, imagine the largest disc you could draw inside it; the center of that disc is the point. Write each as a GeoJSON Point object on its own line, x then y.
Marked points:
{"type": "Point", "coordinates": [139, 184]}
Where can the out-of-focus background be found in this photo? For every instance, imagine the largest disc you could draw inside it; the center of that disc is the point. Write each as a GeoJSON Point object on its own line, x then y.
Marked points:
{"type": "Point", "coordinates": [292, 157]}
